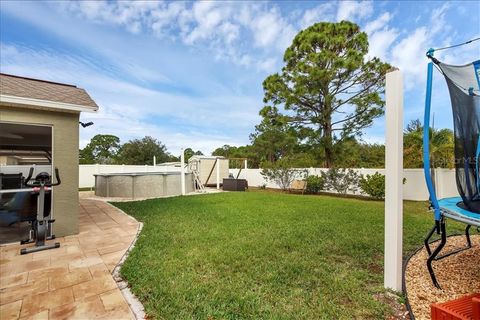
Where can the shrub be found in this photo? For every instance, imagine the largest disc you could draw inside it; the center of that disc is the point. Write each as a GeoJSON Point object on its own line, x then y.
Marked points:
{"type": "Point", "coordinates": [373, 185]}
{"type": "Point", "coordinates": [315, 184]}
{"type": "Point", "coordinates": [341, 180]}
{"type": "Point", "coordinates": [281, 173]}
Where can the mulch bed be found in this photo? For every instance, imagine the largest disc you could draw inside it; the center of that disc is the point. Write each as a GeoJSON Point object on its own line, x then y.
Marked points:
{"type": "Point", "coordinates": [458, 275]}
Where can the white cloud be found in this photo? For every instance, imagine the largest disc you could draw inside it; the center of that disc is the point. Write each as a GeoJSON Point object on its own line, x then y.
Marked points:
{"type": "Point", "coordinates": [225, 28]}
{"type": "Point", "coordinates": [207, 16]}
{"type": "Point", "coordinates": [409, 53]}
{"type": "Point", "coordinates": [165, 18]}
{"type": "Point", "coordinates": [438, 19]}
{"type": "Point", "coordinates": [266, 28]}
{"type": "Point", "coordinates": [171, 40]}
{"type": "Point", "coordinates": [286, 38]}
{"type": "Point", "coordinates": [131, 111]}
{"type": "Point", "coordinates": [409, 56]}
{"type": "Point", "coordinates": [378, 23]}
{"type": "Point", "coordinates": [380, 43]}
{"type": "Point", "coordinates": [245, 60]}
{"type": "Point", "coordinates": [267, 65]}
{"type": "Point", "coordinates": [380, 36]}
{"type": "Point", "coordinates": [230, 32]}
{"type": "Point", "coordinates": [354, 10]}
{"type": "Point", "coordinates": [228, 29]}
{"type": "Point", "coordinates": [109, 120]}
{"type": "Point", "coordinates": [323, 12]}
{"type": "Point", "coordinates": [92, 10]}
{"type": "Point", "coordinates": [133, 15]}
{"type": "Point", "coordinates": [270, 29]}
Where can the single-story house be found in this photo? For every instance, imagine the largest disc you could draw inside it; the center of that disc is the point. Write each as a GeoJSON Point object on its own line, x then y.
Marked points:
{"type": "Point", "coordinates": [39, 125]}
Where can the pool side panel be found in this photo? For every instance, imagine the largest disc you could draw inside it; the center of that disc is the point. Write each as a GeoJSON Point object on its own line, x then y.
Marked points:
{"type": "Point", "coordinates": [138, 185]}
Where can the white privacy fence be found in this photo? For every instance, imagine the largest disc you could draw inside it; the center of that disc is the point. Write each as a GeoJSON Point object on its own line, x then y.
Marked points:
{"type": "Point", "coordinates": [413, 189]}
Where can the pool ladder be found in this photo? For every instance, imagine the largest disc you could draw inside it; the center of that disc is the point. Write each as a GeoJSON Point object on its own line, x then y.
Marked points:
{"type": "Point", "coordinates": [193, 166]}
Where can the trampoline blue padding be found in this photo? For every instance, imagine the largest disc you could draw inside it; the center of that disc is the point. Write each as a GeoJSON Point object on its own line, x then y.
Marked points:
{"type": "Point", "coordinates": [449, 209]}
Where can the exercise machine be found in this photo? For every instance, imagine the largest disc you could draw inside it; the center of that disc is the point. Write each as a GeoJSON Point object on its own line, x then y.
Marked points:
{"type": "Point", "coordinates": [41, 223]}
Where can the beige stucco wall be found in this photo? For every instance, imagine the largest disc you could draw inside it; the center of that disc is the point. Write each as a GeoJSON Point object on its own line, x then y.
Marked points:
{"type": "Point", "coordinates": [65, 157]}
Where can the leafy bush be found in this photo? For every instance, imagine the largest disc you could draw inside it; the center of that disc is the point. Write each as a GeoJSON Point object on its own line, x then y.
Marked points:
{"type": "Point", "coordinates": [281, 173]}
{"type": "Point", "coordinates": [341, 180]}
{"type": "Point", "coordinates": [373, 185]}
{"type": "Point", "coordinates": [315, 184]}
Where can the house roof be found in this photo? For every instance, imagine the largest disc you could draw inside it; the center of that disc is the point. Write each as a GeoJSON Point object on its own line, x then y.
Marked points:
{"type": "Point", "coordinates": [42, 93]}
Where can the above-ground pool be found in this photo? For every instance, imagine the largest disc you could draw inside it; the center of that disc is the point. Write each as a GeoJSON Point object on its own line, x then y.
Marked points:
{"type": "Point", "coordinates": [141, 185]}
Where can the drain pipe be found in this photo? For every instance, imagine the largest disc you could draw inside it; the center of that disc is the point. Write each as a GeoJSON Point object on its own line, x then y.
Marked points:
{"type": "Point", "coordinates": [182, 171]}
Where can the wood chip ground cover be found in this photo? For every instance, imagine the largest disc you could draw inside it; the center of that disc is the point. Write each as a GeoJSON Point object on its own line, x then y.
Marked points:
{"type": "Point", "coordinates": [458, 275]}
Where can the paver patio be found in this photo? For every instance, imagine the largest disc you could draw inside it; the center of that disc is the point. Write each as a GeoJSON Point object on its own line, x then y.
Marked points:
{"type": "Point", "coordinates": [74, 281]}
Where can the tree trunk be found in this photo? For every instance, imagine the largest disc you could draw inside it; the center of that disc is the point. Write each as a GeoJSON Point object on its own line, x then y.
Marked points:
{"type": "Point", "coordinates": [327, 126]}
{"type": "Point", "coordinates": [328, 156]}
{"type": "Point", "coordinates": [327, 142]}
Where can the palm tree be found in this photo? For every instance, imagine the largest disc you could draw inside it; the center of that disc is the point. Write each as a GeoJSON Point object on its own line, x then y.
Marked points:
{"type": "Point", "coordinates": [441, 146]}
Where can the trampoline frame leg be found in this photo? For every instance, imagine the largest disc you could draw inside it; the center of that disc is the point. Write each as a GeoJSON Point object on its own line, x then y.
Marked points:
{"type": "Point", "coordinates": [440, 227]}
{"type": "Point", "coordinates": [427, 239]}
{"type": "Point", "coordinates": [467, 235]}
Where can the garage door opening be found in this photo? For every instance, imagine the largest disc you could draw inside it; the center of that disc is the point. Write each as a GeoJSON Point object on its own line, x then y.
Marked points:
{"type": "Point", "coordinates": [22, 146]}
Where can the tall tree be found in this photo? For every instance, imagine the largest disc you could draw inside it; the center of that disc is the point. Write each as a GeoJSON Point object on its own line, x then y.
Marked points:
{"type": "Point", "coordinates": [141, 151]}
{"type": "Point", "coordinates": [223, 151]}
{"type": "Point", "coordinates": [351, 153]}
{"type": "Point", "coordinates": [231, 152]}
{"type": "Point", "coordinates": [102, 148]}
{"type": "Point", "coordinates": [327, 85]}
{"type": "Point", "coordinates": [441, 146]}
{"type": "Point", "coordinates": [188, 152]}
{"type": "Point", "coordinates": [273, 137]}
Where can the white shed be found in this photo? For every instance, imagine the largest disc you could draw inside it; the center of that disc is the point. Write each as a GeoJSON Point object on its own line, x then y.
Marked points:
{"type": "Point", "coordinates": [206, 166]}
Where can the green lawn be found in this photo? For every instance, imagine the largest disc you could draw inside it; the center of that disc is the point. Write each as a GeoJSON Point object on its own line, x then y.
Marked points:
{"type": "Point", "coordinates": [260, 255]}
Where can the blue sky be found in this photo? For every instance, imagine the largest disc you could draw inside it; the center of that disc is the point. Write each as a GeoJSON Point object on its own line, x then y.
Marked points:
{"type": "Point", "coordinates": [190, 73]}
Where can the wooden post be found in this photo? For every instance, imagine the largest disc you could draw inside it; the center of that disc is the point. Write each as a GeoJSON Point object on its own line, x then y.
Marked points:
{"type": "Point", "coordinates": [393, 180]}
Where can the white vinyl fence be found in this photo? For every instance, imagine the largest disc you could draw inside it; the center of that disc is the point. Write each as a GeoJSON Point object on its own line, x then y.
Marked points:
{"type": "Point", "coordinates": [413, 189]}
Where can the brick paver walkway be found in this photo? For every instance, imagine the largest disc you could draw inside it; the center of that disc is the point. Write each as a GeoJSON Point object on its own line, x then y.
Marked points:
{"type": "Point", "coordinates": [75, 280]}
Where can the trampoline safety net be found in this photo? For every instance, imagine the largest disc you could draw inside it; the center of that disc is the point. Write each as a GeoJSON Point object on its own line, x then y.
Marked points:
{"type": "Point", "coordinates": [464, 87]}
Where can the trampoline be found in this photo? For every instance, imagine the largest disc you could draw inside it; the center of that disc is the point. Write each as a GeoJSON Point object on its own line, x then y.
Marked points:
{"type": "Point", "coordinates": [463, 83]}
